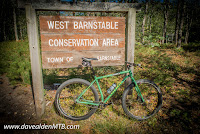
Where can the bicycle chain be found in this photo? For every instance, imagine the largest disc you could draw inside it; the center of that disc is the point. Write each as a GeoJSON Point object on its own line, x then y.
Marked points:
{"type": "Point", "coordinates": [101, 105]}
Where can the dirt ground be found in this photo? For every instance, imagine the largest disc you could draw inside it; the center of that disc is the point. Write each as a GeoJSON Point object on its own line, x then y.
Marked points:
{"type": "Point", "coordinates": [17, 105]}
{"type": "Point", "coordinates": [17, 108]}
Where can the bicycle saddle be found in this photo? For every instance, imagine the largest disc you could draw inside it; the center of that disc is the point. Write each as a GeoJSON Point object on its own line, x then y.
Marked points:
{"type": "Point", "coordinates": [89, 59]}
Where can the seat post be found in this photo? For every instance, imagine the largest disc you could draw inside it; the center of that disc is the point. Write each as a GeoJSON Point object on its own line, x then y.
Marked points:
{"type": "Point", "coordinates": [93, 72]}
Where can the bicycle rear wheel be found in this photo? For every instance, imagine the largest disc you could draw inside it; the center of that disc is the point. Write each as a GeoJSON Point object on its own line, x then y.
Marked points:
{"type": "Point", "coordinates": [133, 105]}
{"type": "Point", "coordinates": [66, 95]}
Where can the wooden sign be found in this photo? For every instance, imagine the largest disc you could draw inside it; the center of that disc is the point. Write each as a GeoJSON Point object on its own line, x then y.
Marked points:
{"type": "Point", "coordinates": [65, 40]}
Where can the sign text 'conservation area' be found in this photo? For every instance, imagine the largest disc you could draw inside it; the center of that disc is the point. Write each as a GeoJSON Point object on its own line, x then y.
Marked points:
{"type": "Point", "coordinates": [66, 39]}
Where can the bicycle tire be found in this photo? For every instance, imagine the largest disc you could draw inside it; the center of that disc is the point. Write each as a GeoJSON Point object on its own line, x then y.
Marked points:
{"type": "Point", "coordinates": [69, 93]}
{"type": "Point", "coordinates": [140, 111]}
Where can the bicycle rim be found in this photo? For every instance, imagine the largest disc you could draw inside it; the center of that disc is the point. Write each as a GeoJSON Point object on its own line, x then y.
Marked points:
{"type": "Point", "coordinates": [67, 105]}
{"type": "Point", "coordinates": [135, 107]}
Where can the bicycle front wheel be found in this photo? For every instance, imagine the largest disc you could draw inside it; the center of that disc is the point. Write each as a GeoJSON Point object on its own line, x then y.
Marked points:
{"type": "Point", "coordinates": [66, 95]}
{"type": "Point", "coordinates": [135, 107]}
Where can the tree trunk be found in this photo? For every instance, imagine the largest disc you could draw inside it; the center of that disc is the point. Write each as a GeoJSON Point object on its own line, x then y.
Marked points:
{"type": "Point", "coordinates": [165, 22]}
{"type": "Point", "coordinates": [187, 28]}
{"type": "Point", "coordinates": [15, 25]}
{"type": "Point", "coordinates": [177, 22]}
{"type": "Point", "coordinates": [150, 19]}
{"type": "Point", "coordinates": [188, 25]}
{"type": "Point", "coordinates": [20, 32]}
{"type": "Point", "coordinates": [144, 20]}
{"type": "Point", "coordinates": [4, 30]}
{"type": "Point", "coordinates": [3, 20]}
{"type": "Point", "coordinates": [181, 26]}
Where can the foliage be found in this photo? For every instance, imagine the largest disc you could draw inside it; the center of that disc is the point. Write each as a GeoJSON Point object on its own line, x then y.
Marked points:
{"type": "Point", "coordinates": [153, 40]}
{"type": "Point", "coordinates": [153, 25]}
{"type": "Point", "coordinates": [176, 71]}
{"type": "Point", "coordinates": [177, 74]}
{"type": "Point", "coordinates": [157, 65]}
{"type": "Point", "coordinates": [15, 61]}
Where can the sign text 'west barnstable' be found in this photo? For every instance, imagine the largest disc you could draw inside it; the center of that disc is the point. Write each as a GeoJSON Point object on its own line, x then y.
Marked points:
{"type": "Point", "coordinates": [65, 40]}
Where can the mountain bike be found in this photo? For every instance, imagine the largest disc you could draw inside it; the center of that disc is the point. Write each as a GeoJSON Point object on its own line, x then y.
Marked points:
{"type": "Point", "coordinates": [77, 99]}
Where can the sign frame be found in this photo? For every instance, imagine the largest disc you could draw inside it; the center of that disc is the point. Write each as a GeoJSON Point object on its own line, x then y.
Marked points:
{"type": "Point", "coordinates": [52, 5]}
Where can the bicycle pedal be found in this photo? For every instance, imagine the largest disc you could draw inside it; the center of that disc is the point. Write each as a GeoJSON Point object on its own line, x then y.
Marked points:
{"type": "Point", "coordinates": [109, 103]}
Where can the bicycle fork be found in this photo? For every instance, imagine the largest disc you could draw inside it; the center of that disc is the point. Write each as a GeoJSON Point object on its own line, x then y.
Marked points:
{"type": "Point", "coordinates": [136, 86]}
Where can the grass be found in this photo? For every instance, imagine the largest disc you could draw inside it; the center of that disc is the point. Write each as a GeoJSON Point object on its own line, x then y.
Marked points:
{"type": "Point", "coordinates": [15, 61]}
{"type": "Point", "coordinates": [177, 74]}
{"type": "Point", "coordinates": [176, 71]}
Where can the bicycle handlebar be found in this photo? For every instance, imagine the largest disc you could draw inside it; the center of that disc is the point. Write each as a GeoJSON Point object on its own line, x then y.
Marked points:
{"type": "Point", "coordinates": [129, 64]}
{"type": "Point", "coordinates": [87, 62]}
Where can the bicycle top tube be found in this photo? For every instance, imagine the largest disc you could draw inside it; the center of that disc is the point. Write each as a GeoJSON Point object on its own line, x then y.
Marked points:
{"type": "Point", "coordinates": [109, 75]}
{"type": "Point", "coordinates": [99, 88]}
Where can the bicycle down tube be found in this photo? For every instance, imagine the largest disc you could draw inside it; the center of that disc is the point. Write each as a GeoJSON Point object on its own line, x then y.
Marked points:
{"type": "Point", "coordinates": [101, 93]}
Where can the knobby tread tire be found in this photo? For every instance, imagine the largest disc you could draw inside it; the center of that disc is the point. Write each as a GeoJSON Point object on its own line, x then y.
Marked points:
{"type": "Point", "coordinates": [125, 93]}
{"type": "Point", "coordinates": [59, 90]}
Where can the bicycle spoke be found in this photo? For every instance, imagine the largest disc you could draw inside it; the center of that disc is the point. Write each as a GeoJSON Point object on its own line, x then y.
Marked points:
{"type": "Point", "coordinates": [138, 109]}
{"type": "Point", "coordinates": [68, 96]}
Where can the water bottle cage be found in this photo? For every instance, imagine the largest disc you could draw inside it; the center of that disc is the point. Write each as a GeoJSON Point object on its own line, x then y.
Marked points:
{"type": "Point", "coordinates": [111, 88]}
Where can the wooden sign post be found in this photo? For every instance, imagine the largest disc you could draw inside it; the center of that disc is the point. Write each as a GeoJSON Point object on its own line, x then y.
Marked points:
{"type": "Point", "coordinates": [37, 80]}
{"type": "Point", "coordinates": [130, 40]}
{"type": "Point", "coordinates": [69, 40]}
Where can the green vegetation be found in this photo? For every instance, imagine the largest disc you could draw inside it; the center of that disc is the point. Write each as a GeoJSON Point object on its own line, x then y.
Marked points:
{"type": "Point", "coordinates": [176, 71]}
{"type": "Point", "coordinates": [15, 61]}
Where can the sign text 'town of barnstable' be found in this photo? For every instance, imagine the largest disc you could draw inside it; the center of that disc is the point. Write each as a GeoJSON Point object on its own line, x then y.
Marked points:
{"type": "Point", "coordinates": [65, 40]}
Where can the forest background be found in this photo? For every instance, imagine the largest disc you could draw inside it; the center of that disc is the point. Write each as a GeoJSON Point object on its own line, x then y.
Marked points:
{"type": "Point", "coordinates": [167, 46]}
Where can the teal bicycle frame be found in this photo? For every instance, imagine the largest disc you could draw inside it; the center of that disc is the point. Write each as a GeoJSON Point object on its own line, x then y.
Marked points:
{"type": "Point", "coordinates": [101, 93]}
